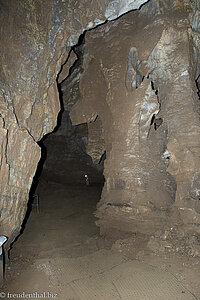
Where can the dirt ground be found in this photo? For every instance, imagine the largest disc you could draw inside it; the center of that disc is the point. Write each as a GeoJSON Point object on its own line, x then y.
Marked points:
{"type": "Point", "coordinates": [63, 233]}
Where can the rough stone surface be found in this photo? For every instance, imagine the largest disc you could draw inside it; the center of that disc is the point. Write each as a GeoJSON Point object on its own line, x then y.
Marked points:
{"type": "Point", "coordinates": [139, 78]}
{"type": "Point", "coordinates": [72, 57]}
{"type": "Point", "coordinates": [96, 144]}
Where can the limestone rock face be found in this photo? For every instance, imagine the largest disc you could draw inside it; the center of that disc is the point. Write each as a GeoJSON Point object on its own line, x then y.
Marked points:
{"type": "Point", "coordinates": [139, 78]}
{"type": "Point", "coordinates": [36, 37]}
{"type": "Point", "coordinates": [180, 108]}
{"type": "Point", "coordinates": [96, 144]}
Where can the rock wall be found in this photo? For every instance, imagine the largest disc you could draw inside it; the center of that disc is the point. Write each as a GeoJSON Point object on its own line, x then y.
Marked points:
{"type": "Point", "coordinates": [36, 37]}
{"type": "Point", "coordinates": [139, 78]}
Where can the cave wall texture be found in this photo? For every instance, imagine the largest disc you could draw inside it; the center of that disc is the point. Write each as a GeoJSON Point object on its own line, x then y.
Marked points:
{"type": "Point", "coordinates": [143, 68]}
{"type": "Point", "coordinates": [138, 89]}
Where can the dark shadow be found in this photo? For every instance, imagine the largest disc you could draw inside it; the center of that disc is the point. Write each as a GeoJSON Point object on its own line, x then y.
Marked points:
{"type": "Point", "coordinates": [197, 81]}
{"type": "Point", "coordinates": [78, 48]}
{"type": "Point", "coordinates": [4, 262]}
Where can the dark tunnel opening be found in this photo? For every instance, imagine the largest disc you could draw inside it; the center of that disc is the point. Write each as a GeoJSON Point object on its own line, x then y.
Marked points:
{"type": "Point", "coordinates": [66, 171]}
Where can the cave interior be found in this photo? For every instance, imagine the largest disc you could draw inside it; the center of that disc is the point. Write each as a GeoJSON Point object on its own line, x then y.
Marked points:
{"type": "Point", "coordinates": [100, 139]}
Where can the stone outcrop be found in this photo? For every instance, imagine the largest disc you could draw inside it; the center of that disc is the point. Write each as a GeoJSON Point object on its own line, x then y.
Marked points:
{"type": "Point", "coordinates": [96, 145]}
{"type": "Point", "coordinates": [180, 109]}
{"type": "Point", "coordinates": [139, 78]}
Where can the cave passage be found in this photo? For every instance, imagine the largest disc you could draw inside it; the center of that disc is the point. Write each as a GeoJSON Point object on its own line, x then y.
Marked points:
{"type": "Point", "coordinates": [117, 107]}
{"type": "Point", "coordinates": [67, 185]}
{"type": "Point", "coordinates": [64, 194]}
{"type": "Point", "coordinates": [62, 223]}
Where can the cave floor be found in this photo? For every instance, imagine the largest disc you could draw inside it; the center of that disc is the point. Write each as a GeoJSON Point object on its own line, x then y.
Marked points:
{"type": "Point", "coordinates": [61, 255]}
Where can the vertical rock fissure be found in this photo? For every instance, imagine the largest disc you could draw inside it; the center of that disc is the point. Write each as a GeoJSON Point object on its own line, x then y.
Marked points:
{"type": "Point", "coordinates": [197, 81]}
{"type": "Point", "coordinates": [74, 150]}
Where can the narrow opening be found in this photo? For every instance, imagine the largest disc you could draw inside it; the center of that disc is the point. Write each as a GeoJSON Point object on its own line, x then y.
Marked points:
{"type": "Point", "coordinates": [67, 185]}
{"type": "Point", "coordinates": [198, 86]}
{"type": "Point", "coordinates": [157, 123]}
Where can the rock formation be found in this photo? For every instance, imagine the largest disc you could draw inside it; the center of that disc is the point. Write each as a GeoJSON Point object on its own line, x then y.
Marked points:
{"type": "Point", "coordinates": [139, 78]}
{"type": "Point", "coordinates": [137, 91]}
